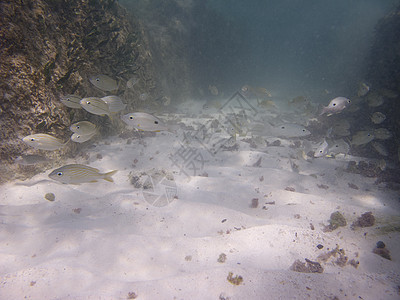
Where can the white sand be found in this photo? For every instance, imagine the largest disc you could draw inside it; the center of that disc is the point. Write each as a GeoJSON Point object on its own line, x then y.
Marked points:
{"type": "Point", "coordinates": [104, 240]}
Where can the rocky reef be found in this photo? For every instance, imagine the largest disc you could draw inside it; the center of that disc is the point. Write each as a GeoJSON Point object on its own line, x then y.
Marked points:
{"type": "Point", "coordinates": [383, 73]}
{"type": "Point", "coordinates": [48, 49]}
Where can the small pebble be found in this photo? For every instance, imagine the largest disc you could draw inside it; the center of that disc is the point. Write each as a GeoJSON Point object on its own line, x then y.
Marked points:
{"type": "Point", "coordinates": [254, 203]}
{"type": "Point", "coordinates": [380, 244]}
{"type": "Point", "coordinates": [50, 197]}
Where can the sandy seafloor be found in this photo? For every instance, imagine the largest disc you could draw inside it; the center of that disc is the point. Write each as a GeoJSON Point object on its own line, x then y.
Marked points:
{"type": "Point", "coordinates": [109, 241]}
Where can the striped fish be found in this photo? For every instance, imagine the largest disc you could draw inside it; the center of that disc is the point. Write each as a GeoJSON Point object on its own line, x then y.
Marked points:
{"type": "Point", "coordinates": [77, 173]}
{"type": "Point", "coordinates": [71, 101]}
{"type": "Point", "coordinates": [83, 127]}
{"type": "Point", "coordinates": [114, 103]}
{"type": "Point", "coordinates": [95, 106]}
{"type": "Point", "coordinates": [43, 141]}
{"type": "Point", "coordinates": [103, 82]}
{"type": "Point", "coordinates": [144, 122]}
{"type": "Point", "coordinates": [81, 138]}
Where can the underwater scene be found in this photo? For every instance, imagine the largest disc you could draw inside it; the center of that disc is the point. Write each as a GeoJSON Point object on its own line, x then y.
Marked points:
{"type": "Point", "coordinates": [200, 149]}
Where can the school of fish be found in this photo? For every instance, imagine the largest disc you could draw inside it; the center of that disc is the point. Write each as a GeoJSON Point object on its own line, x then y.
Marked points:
{"type": "Point", "coordinates": [340, 138]}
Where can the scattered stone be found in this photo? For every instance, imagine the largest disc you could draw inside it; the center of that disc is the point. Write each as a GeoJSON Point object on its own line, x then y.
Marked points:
{"type": "Point", "coordinates": [32, 283]}
{"type": "Point", "coordinates": [131, 295]}
{"type": "Point", "coordinates": [366, 220]}
{"type": "Point", "coordinates": [337, 220]}
{"type": "Point", "coordinates": [223, 220]}
{"type": "Point", "coordinates": [381, 250]}
{"type": "Point", "coordinates": [319, 246]}
{"type": "Point", "coordinates": [261, 178]}
{"type": "Point", "coordinates": [234, 280]}
{"type": "Point", "coordinates": [312, 226]}
{"type": "Point", "coordinates": [99, 156]}
{"type": "Point", "coordinates": [307, 267]}
{"type": "Point", "coordinates": [385, 253]}
{"type": "Point", "coordinates": [354, 263]}
{"type": "Point", "coordinates": [257, 164]}
{"type": "Point", "coordinates": [290, 189]}
{"type": "Point", "coordinates": [297, 216]}
{"type": "Point", "coordinates": [254, 203]}
{"type": "Point", "coordinates": [275, 143]}
{"type": "Point", "coordinates": [380, 244]}
{"type": "Point", "coordinates": [352, 186]}
{"type": "Point", "coordinates": [50, 197]}
{"type": "Point", "coordinates": [222, 258]}
{"type": "Point", "coordinates": [323, 186]}
{"type": "Point", "coordinates": [188, 258]}
{"type": "Point", "coordinates": [222, 296]}
{"type": "Point", "coordinates": [77, 210]}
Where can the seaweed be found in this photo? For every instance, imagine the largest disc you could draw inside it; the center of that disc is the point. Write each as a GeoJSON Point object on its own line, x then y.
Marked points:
{"type": "Point", "coordinates": [237, 280]}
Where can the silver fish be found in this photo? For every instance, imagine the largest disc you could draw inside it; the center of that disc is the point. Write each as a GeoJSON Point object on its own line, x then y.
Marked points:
{"type": "Point", "coordinates": [81, 138]}
{"type": "Point", "coordinates": [95, 106]}
{"type": "Point", "coordinates": [77, 173]}
{"type": "Point", "coordinates": [375, 100]}
{"type": "Point", "coordinates": [114, 103]}
{"type": "Point", "coordinates": [43, 141]}
{"type": "Point", "coordinates": [381, 149]}
{"type": "Point", "coordinates": [104, 82]}
{"type": "Point", "coordinates": [339, 147]}
{"type": "Point", "coordinates": [382, 134]}
{"type": "Point", "coordinates": [362, 137]}
{"type": "Point", "coordinates": [83, 127]}
{"type": "Point", "coordinates": [71, 101]}
{"type": "Point", "coordinates": [322, 150]}
{"type": "Point", "coordinates": [289, 130]}
{"type": "Point", "coordinates": [341, 128]}
{"type": "Point", "coordinates": [31, 159]}
{"type": "Point", "coordinates": [144, 122]}
{"type": "Point", "coordinates": [363, 89]}
{"type": "Point", "coordinates": [335, 106]}
{"type": "Point", "coordinates": [131, 82]}
{"type": "Point", "coordinates": [378, 117]}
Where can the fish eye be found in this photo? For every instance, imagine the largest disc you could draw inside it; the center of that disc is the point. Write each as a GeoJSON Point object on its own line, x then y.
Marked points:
{"type": "Point", "coordinates": [77, 127]}
{"type": "Point", "coordinates": [130, 117]}
{"type": "Point", "coordinates": [97, 79]}
{"type": "Point", "coordinates": [87, 102]}
{"type": "Point", "coordinates": [304, 130]}
{"type": "Point", "coordinates": [333, 104]}
{"type": "Point", "coordinates": [320, 151]}
{"type": "Point", "coordinates": [59, 173]}
{"type": "Point", "coordinates": [155, 122]}
{"type": "Point", "coordinates": [283, 127]}
{"type": "Point", "coordinates": [32, 139]}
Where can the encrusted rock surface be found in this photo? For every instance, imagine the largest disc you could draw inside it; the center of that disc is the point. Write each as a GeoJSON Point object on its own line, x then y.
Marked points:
{"type": "Point", "coordinates": [48, 49]}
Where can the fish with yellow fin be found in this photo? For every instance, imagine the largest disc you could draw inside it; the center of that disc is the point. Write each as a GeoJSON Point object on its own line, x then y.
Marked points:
{"type": "Point", "coordinates": [77, 173]}
{"type": "Point", "coordinates": [44, 141]}
{"type": "Point", "coordinates": [256, 91]}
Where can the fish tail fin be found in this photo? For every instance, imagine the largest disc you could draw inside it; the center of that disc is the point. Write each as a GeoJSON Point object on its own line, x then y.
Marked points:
{"type": "Point", "coordinates": [107, 176]}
